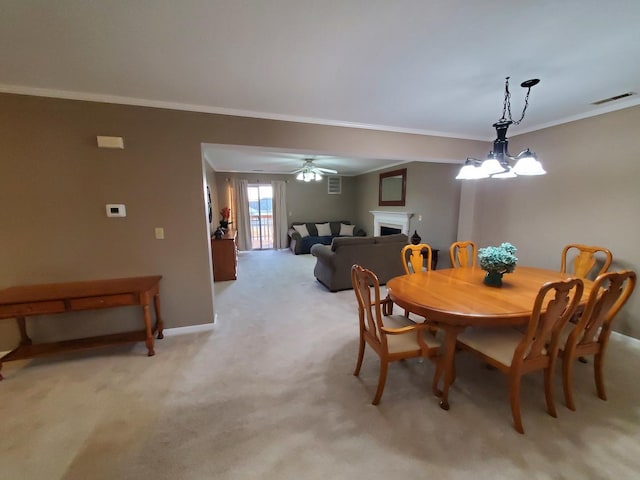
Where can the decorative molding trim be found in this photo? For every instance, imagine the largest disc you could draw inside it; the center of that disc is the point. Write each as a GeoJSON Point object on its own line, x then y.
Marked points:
{"type": "Point", "coordinates": [189, 107]}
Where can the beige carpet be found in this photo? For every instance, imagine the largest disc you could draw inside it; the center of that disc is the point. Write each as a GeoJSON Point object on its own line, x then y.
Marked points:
{"type": "Point", "coordinates": [268, 393]}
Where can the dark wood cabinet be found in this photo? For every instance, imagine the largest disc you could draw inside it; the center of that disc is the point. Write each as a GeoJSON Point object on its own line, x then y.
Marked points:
{"type": "Point", "coordinates": [224, 256]}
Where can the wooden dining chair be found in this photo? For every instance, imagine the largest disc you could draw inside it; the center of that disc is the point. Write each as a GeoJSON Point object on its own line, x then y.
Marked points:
{"type": "Point", "coordinates": [584, 259]}
{"type": "Point", "coordinates": [416, 258]}
{"type": "Point", "coordinates": [516, 353]}
{"type": "Point", "coordinates": [590, 335]}
{"type": "Point", "coordinates": [463, 254]}
{"type": "Point", "coordinates": [392, 337]}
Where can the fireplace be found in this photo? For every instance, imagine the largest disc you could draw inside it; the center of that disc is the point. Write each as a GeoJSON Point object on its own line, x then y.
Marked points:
{"type": "Point", "coordinates": [384, 230]}
{"type": "Point", "coordinates": [396, 221]}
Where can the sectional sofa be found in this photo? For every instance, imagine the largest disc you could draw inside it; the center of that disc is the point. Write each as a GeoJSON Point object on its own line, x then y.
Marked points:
{"type": "Point", "coordinates": [302, 239]}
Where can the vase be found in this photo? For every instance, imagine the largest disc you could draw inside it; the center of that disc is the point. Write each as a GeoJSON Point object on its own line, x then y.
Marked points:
{"type": "Point", "coordinates": [415, 238]}
{"type": "Point", "coordinates": [224, 224]}
{"type": "Point", "coordinates": [493, 278]}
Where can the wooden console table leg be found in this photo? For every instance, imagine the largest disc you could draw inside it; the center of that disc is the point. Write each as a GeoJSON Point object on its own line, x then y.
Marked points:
{"type": "Point", "coordinates": [24, 336]}
{"type": "Point", "coordinates": [159, 323]}
{"type": "Point", "coordinates": [147, 324]}
{"type": "Point", "coordinates": [22, 326]}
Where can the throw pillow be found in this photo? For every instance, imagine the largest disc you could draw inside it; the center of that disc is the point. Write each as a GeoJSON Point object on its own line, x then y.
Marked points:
{"type": "Point", "coordinates": [346, 230]}
{"type": "Point", "coordinates": [324, 229]}
{"type": "Point", "coordinates": [302, 230]}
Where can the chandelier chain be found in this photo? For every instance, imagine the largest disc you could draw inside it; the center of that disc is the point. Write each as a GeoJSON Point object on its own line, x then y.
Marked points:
{"type": "Point", "coordinates": [506, 106]}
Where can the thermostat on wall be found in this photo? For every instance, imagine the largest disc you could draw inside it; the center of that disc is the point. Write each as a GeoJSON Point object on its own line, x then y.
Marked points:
{"type": "Point", "coordinates": [116, 210]}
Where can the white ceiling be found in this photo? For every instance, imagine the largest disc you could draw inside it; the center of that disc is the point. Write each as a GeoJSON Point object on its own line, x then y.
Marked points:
{"type": "Point", "coordinates": [422, 66]}
{"type": "Point", "coordinates": [224, 158]}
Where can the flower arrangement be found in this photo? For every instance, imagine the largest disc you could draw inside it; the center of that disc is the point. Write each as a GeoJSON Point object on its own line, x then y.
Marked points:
{"type": "Point", "coordinates": [498, 259]}
{"type": "Point", "coordinates": [225, 213]}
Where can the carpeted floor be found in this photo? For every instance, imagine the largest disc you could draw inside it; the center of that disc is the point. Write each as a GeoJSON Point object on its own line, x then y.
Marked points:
{"type": "Point", "coordinates": [267, 392]}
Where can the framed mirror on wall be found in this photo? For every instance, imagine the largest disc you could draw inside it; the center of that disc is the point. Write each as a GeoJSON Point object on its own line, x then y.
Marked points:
{"type": "Point", "coordinates": [392, 191]}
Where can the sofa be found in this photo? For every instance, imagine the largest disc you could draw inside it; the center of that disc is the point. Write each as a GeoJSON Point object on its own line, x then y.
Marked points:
{"type": "Point", "coordinates": [382, 255]}
{"type": "Point", "coordinates": [301, 244]}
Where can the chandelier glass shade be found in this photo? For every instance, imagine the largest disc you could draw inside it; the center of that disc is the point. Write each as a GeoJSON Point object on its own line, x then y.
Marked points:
{"type": "Point", "coordinates": [499, 162]}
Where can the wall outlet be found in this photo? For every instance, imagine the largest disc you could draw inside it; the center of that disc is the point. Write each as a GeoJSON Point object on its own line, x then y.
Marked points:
{"type": "Point", "coordinates": [116, 210]}
{"type": "Point", "coordinates": [159, 233]}
{"type": "Point", "coordinates": [419, 218]}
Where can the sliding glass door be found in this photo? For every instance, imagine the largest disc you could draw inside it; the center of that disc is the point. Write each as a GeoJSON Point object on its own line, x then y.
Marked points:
{"type": "Point", "coordinates": [261, 216]}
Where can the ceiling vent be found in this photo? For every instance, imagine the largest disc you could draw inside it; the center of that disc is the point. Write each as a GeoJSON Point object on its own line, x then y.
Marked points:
{"type": "Point", "coordinates": [612, 99]}
{"type": "Point", "coordinates": [334, 185]}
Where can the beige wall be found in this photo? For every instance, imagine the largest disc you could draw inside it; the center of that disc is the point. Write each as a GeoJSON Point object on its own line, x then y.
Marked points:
{"type": "Point", "coordinates": [590, 195]}
{"type": "Point", "coordinates": [306, 202]}
{"type": "Point", "coordinates": [433, 196]}
{"type": "Point", "coordinates": [55, 183]}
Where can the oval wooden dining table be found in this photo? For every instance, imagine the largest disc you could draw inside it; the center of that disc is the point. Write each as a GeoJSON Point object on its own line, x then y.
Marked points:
{"type": "Point", "coordinates": [456, 298]}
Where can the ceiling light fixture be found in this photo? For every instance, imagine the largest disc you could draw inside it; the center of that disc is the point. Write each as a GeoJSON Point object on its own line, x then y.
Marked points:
{"type": "Point", "coordinates": [309, 172]}
{"type": "Point", "coordinates": [499, 163]}
{"type": "Point", "coordinates": [308, 176]}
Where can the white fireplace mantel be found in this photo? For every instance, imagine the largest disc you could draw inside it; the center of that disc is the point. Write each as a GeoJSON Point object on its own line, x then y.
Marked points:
{"type": "Point", "coordinates": [382, 218]}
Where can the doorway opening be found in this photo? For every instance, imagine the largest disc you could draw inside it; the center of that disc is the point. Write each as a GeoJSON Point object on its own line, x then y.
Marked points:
{"type": "Point", "coordinates": [261, 216]}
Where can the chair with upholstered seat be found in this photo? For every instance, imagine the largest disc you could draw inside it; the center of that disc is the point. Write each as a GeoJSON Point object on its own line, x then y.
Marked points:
{"type": "Point", "coordinates": [584, 259]}
{"type": "Point", "coordinates": [416, 258]}
{"type": "Point", "coordinates": [392, 337]}
{"type": "Point", "coordinates": [463, 254]}
{"type": "Point", "coordinates": [516, 353]}
{"type": "Point", "coordinates": [590, 335]}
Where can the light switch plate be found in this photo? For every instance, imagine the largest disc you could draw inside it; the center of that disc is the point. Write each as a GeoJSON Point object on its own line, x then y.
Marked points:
{"type": "Point", "coordinates": [110, 142]}
{"type": "Point", "coordinates": [159, 233]}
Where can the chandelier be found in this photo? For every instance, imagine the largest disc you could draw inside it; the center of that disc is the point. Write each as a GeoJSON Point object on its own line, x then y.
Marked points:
{"type": "Point", "coordinates": [499, 163]}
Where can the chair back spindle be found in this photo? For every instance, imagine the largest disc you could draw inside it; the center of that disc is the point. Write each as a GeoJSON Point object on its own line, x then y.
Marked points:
{"type": "Point", "coordinates": [585, 259]}
{"type": "Point", "coordinates": [555, 304]}
{"type": "Point", "coordinates": [416, 258]}
{"type": "Point", "coordinates": [463, 254]}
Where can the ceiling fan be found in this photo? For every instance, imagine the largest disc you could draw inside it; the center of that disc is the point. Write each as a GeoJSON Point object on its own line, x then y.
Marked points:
{"type": "Point", "coordinates": [309, 171]}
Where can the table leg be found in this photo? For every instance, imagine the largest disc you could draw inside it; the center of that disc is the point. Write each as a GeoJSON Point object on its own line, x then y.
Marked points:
{"type": "Point", "coordinates": [22, 326]}
{"type": "Point", "coordinates": [147, 324]}
{"type": "Point", "coordinates": [159, 322]}
{"type": "Point", "coordinates": [451, 335]}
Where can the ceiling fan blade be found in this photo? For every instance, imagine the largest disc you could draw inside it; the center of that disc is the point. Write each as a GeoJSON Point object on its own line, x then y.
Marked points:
{"type": "Point", "coordinates": [329, 171]}
{"type": "Point", "coordinates": [309, 166]}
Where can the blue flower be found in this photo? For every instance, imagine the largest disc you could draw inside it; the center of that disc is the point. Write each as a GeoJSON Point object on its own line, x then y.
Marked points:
{"type": "Point", "coordinates": [498, 259]}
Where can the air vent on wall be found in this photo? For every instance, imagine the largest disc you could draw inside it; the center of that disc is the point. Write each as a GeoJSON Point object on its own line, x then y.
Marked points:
{"type": "Point", "coordinates": [611, 99]}
{"type": "Point", "coordinates": [334, 185]}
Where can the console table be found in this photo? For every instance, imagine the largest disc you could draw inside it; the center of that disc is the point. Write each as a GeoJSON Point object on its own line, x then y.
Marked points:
{"type": "Point", "coordinates": [224, 256]}
{"type": "Point", "coordinates": [30, 300]}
